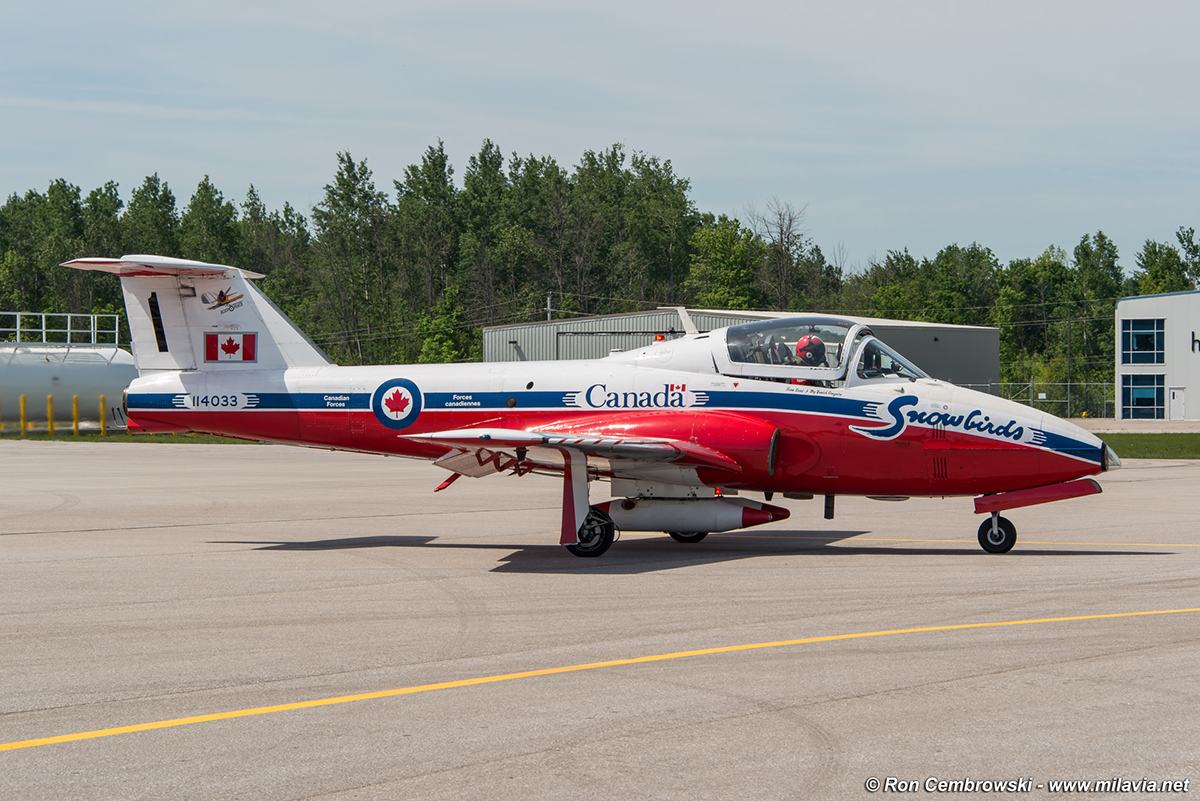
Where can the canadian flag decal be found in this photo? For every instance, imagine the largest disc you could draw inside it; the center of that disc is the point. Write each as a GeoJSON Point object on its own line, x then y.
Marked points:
{"type": "Point", "coordinates": [230, 347]}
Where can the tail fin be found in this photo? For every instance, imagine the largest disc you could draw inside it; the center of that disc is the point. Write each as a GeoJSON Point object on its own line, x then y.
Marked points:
{"type": "Point", "coordinates": [189, 315]}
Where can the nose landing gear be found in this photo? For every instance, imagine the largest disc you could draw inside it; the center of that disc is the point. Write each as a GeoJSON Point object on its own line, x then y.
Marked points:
{"type": "Point", "coordinates": [997, 534]}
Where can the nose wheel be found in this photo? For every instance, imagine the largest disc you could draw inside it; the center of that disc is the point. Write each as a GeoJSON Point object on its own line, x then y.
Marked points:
{"type": "Point", "coordinates": [997, 534]}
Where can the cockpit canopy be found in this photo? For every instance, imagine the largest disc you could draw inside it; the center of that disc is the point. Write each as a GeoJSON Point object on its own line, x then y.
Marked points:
{"type": "Point", "coordinates": [815, 350]}
{"type": "Point", "coordinates": [798, 341]}
{"type": "Point", "coordinates": [812, 349]}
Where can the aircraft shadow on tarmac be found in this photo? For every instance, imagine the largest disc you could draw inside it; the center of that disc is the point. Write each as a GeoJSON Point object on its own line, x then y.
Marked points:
{"type": "Point", "coordinates": [345, 542]}
{"type": "Point", "coordinates": [648, 554]}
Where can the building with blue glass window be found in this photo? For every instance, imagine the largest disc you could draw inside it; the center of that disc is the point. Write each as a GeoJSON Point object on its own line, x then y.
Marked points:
{"type": "Point", "coordinates": [1158, 357]}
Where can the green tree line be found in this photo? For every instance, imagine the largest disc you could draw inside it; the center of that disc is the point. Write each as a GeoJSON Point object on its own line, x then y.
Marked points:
{"type": "Point", "coordinates": [413, 272]}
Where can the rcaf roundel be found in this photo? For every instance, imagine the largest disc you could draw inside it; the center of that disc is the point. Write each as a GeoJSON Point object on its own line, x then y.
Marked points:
{"type": "Point", "coordinates": [396, 403]}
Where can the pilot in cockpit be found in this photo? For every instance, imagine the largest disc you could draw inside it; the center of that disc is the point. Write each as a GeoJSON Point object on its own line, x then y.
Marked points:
{"type": "Point", "coordinates": [810, 351]}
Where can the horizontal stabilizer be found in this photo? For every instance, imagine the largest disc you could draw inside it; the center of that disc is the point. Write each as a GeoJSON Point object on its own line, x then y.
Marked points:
{"type": "Point", "coordinates": [139, 265]}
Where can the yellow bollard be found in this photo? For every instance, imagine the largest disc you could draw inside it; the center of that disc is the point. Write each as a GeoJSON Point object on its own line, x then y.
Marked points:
{"type": "Point", "coordinates": [75, 414]}
{"type": "Point", "coordinates": [50, 414]}
{"type": "Point", "coordinates": [103, 417]}
{"type": "Point", "coordinates": [22, 415]}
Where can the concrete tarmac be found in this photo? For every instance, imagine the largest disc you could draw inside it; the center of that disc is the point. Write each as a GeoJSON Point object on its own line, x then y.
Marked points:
{"type": "Point", "coordinates": [376, 640]}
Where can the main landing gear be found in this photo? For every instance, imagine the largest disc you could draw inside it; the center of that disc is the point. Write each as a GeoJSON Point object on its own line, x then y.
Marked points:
{"type": "Point", "coordinates": [997, 534]}
{"type": "Point", "coordinates": [688, 536]}
{"type": "Point", "coordinates": [596, 535]}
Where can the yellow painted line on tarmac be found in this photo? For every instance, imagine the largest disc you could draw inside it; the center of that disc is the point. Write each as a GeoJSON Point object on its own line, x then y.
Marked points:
{"type": "Point", "coordinates": [1030, 542]}
{"type": "Point", "coordinates": [1120, 544]}
{"type": "Point", "coordinates": [447, 685]}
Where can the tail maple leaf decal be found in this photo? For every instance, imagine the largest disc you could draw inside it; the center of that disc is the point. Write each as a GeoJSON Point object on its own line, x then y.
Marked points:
{"type": "Point", "coordinates": [239, 347]}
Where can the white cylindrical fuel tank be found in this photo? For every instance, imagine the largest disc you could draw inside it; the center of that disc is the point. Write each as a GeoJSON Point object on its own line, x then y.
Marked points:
{"type": "Point", "coordinates": [705, 514]}
{"type": "Point", "coordinates": [89, 371]}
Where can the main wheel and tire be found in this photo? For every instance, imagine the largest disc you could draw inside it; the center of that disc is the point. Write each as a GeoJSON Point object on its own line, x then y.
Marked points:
{"type": "Point", "coordinates": [999, 538]}
{"type": "Point", "coordinates": [596, 534]}
{"type": "Point", "coordinates": [688, 536]}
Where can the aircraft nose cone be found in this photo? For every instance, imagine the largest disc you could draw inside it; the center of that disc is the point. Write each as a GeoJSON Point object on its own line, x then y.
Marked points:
{"type": "Point", "coordinates": [1111, 460]}
{"type": "Point", "coordinates": [1089, 447]}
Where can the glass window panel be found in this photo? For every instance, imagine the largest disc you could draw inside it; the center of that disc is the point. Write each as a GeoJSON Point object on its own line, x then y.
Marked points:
{"type": "Point", "coordinates": [791, 341]}
{"type": "Point", "coordinates": [878, 361]}
{"type": "Point", "coordinates": [1143, 397]}
{"type": "Point", "coordinates": [1143, 341]}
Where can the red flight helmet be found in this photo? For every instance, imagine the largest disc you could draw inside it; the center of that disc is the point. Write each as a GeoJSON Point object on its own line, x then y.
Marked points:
{"type": "Point", "coordinates": [811, 350]}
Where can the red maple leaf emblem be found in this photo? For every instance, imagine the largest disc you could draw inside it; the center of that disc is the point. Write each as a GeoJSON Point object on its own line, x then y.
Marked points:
{"type": "Point", "coordinates": [229, 346]}
{"type": "Point", "coordinates": [396, 403]}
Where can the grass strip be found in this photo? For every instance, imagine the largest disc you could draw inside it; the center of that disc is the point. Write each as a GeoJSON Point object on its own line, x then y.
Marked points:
{"type": "Point", "coordinates": [1154, 446]}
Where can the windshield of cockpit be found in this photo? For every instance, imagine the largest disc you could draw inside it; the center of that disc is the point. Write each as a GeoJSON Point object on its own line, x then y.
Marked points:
{"type": "Point", "coordinates": [789, 342]}
{"type": "Point", "coordinates": [877, 361]}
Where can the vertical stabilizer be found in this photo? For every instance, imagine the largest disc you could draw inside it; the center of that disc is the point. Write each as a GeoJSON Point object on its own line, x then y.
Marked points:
{"type": "Point", "coordinates": [189, 315]}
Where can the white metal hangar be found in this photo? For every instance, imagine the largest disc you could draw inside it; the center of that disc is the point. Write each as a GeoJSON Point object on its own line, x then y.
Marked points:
{"type": "Point", "coordinates": [1158, 357]}
{"type": "Point", "coordinates": [965, 355]}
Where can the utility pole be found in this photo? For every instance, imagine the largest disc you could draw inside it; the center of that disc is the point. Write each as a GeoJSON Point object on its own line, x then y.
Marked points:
{"type": "Point", "coordinates": [547, 308]}
{"type": "Point", "coordinates": [1068, 368]}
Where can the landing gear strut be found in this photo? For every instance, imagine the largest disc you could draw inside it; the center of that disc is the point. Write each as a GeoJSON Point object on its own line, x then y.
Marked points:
{"type": "Point", "coordinates": [997, 534]}
{"type": "Point", "coordinates": [596, 534]}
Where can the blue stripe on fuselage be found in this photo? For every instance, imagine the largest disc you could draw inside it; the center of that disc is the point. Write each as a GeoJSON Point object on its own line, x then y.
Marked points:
{"type": "Point", "coordinates": [1073, 447]}
{"type": "Point", "coordinates": [729, 400]}
{"type": "Point", "coordinates": [271, 401]}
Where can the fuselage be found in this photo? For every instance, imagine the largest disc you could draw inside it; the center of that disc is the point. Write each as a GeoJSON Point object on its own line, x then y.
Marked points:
{"type": "Point", "coordinates": [919, 437]}
{"type": "Point", "coordinates": [804, 405]}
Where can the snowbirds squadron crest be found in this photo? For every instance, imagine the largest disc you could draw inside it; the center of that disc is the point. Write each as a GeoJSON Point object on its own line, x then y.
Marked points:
{"type": "Point", "coordinates": [803, 406]}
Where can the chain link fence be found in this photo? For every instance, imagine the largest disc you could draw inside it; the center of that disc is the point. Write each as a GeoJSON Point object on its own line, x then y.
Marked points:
{"type": "Point", "coordinates": [1061, 399]}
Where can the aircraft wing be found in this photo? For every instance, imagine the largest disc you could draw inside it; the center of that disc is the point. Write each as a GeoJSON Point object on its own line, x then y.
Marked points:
{"type": "Point", "coordinates": [480, 446]}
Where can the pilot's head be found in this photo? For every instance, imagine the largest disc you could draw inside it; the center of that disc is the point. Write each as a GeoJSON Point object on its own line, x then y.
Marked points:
{"type": "Point", "coordinates": [811, 350]}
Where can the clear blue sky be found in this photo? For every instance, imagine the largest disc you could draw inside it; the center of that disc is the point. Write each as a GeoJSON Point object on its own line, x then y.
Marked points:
{"type": "Point", "coordinates": [898, 124]}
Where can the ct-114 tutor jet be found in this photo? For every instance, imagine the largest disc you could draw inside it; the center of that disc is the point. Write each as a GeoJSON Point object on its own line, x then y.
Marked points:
{"type": "Point", "coordinates": [803, 406]}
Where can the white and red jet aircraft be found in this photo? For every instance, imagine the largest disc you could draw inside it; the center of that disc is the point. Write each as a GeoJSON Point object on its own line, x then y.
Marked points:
{"type": "Point", "coordinates": [803, 406]}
